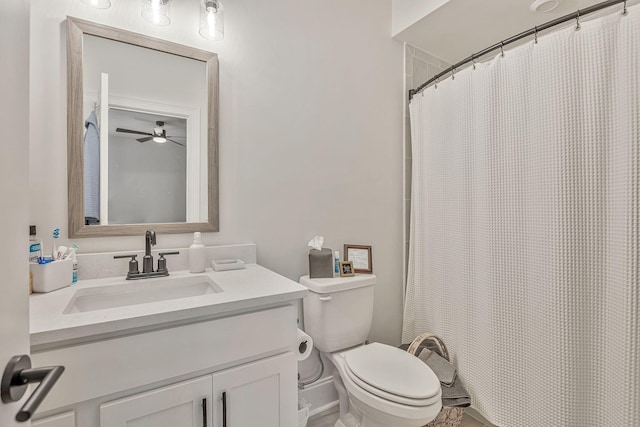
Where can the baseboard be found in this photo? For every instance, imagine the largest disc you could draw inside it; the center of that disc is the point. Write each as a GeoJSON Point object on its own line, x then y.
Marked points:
{"type": "Point", "coordinates": [476, 415]}
{"type": "Point", "coordinates": [322, 395]}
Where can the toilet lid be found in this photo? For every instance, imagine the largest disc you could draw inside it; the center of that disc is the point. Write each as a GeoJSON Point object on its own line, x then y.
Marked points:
{"type": "Point", "coordinates": [392, 372]}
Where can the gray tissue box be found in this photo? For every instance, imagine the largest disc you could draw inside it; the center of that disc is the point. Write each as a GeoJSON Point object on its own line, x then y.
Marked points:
{"type": "Point", "coordinates": [320, 263]}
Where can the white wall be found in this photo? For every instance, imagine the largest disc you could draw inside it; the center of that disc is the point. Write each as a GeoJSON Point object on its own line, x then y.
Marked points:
{"type": "Point", "coordinates": [310, 130]}
{"type": "Point", "coordinates": [408, 12]}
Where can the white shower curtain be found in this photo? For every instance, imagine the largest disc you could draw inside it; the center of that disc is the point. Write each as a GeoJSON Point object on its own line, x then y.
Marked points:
{"type": "Point", "coordinates": [525, 227]}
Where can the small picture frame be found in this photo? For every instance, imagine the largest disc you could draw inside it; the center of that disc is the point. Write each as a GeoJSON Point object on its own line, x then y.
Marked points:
{"type": "Point", "coordinates": [346, 269]}
{"type": "Point", "coordinates": [361, 257]}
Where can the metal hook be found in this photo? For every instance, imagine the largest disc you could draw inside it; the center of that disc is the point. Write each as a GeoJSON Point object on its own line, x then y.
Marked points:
{"type": "Point", "coordinates": [624, 11]}
{"type": "Point", "coordinates": [473, 60]}
{"type": "Point", "coordinates": [535, 35]}
{"type": "Point", "coordinates": [435, 86]}
{"type": "Point", "coordinates": [453, 75]}
{"type": "Point", "coordinates": [502, 49]}
{"type": "Point", "coordinates": [578, 21]}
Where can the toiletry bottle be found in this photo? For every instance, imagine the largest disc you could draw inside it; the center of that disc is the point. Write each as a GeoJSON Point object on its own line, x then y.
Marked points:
{"type": "Point", "coordinates": [197, 254]}
{"type": "Point", "coordinates": [74, 277]}
{"type": "Point", "coordinates": [336, 266]}
{"type": "Point", "coordinates": [34, 245]}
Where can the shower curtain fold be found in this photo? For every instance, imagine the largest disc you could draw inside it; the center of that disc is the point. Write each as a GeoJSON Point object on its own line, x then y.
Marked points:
{"type": "Point", "coordinates": [525, 227]}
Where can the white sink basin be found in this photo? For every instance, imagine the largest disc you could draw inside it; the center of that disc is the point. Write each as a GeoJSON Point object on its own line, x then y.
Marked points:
{"type": "Point", "coordinates": [140, 292]}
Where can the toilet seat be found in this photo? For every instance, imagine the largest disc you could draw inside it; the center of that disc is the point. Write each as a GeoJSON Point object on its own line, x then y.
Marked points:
{"type": "Point", "coordinates": [392, 374]}
{"type": "Point", "coordinates": [382, 402]}
{"type": "Point", "coordinates": [392, 397]}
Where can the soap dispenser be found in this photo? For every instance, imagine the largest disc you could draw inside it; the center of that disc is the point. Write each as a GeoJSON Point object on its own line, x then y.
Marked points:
{"type": "Point", "coordinates": [197, 254]}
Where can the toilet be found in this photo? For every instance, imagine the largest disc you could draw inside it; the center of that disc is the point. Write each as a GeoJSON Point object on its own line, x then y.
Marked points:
{"type": "Point", "coordinates": [378, 385]}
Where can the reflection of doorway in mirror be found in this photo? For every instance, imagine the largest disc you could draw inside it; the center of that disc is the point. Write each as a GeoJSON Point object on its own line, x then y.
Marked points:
{"type": "Point", "coordinates": [129, 113]}
{"type": "Point", "coordinates": [147, 168]}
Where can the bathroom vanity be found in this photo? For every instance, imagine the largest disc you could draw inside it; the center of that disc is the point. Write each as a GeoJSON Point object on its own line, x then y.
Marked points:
{"type": "Point", "coordinates": [223, 356]}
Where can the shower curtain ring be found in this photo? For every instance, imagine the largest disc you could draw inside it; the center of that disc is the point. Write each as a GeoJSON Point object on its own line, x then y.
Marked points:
{"type": "Point", "coordinates": [473, 60]}
{"type": "Point", "coordinates": [578, 21]}
{"type": "Point", "coordinates": [624, 11]}
{"type": "Point", "coordinates": [535, 35]}
{"type": "Point", "coordinates": [435, 86]}
{"type": "Point", "coordinates": [453, 75]}
{"type": "Point", "coordinates": [502, 48]}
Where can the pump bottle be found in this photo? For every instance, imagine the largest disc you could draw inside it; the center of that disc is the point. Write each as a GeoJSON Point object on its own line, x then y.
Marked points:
{"type": "Point", "coordinates": [197, 254]}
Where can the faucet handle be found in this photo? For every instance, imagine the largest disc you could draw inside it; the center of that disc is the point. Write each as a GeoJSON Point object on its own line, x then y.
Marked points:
{"type": "Point", "coordinates": [162, 262]}
{"type": "Point", "coordinates": [133, 263]}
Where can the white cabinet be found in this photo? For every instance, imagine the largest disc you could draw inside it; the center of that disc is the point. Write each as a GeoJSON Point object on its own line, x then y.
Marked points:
{"type": "Point", "coordinates": [68, 419]}
{"type": "Point", "coordinates": [261, 393]}
{"type": "Point", "coordinates": [249, 356]}
{"type": "Point", "coordinates": [186, 404]}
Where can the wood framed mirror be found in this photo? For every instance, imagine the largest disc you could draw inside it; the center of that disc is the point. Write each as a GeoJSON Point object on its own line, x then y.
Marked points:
{"type": "Point", "coordinates": [142, 146]}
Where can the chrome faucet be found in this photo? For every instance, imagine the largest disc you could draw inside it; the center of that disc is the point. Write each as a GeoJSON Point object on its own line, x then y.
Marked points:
{"type": "Point", "coordinates": [147, 260]}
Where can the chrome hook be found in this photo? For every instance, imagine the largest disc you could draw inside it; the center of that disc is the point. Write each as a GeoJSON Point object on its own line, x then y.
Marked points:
{"type": "Point", "coordinates": [624, 11]}
{"type": "Point", "coordinates": [453, 75]}
{"type": "Point", "coordinates": [535, 35]}
{"type": "Point", "coordinates": [435, 86]}
{"type": "Point", "coordinates": [473, 60]}
{"type": "Point", "coordinates": [502, 49]}
{"type": "Point", "coordinates": [578, 21]}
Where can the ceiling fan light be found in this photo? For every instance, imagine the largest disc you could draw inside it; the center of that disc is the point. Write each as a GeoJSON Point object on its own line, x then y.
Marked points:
{"type": "Point", "coordinates": [98, 4]}
{"type": "Point", "coordinates": [212, 20]}
{"type": "Point", "coordinates": [156, 11]}
{"type": "Point", "coordinates": [159, 139]}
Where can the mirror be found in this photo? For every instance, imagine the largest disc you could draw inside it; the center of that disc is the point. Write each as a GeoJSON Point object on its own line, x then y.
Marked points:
{"type": "Point", "coordinates": [142, 134]}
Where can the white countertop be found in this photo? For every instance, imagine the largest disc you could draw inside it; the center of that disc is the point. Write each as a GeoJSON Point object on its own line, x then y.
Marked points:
{"type": "Point", "coordinates": [245, 290]}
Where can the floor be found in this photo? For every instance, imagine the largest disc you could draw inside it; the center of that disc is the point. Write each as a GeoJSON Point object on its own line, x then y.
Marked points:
{"type": "Point", "coordinates": [328, 420]}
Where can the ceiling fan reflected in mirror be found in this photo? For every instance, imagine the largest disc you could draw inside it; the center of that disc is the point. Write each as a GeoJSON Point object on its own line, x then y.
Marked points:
{"type": "Point", "coordinates": [159, 134]}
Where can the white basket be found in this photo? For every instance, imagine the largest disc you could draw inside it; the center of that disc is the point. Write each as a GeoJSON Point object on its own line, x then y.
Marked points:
{"type": "Point", "coordinates": [52, 276]}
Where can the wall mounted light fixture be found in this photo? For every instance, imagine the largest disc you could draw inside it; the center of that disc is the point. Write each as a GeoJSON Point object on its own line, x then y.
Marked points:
{"type": "Point", "coordinates": [212, 20]}
{"type": "Point", "coordinates": [156, 11]}
{"type": "Point", "coordinates": [98, 4]}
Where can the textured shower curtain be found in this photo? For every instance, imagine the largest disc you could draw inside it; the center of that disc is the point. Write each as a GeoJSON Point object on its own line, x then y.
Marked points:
{"type": "Point", "coordinates": [525, 227]}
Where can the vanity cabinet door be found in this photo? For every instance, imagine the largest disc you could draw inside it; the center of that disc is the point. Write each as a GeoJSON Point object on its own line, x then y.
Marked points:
{"type": "Point", "coordinates": [185, 404]}
{"type": "Point", "coordinates": [262, 393]}
{"type": "Point", "coordinates": [68, 419]}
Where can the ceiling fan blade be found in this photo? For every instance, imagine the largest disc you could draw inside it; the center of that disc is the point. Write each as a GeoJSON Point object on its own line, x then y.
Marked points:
{"type": "Point", "coordinates": [176, 136]}
{"type": "Point", "coordinates": [175, 142]}
{"type": "Point", "coordinates": [148, 138]}
{"type": "Point", "coordinates": [137, 132]}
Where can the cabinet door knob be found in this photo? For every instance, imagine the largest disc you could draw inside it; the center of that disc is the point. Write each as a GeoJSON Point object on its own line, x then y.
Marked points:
{"type": "Point", "coordinates": [18, 374]}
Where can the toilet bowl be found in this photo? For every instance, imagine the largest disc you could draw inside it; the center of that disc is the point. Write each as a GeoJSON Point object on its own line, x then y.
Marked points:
{"type": "Point", "coordinates": [378, 385]}
{"type": "Point", "coordinates": [386, 387]}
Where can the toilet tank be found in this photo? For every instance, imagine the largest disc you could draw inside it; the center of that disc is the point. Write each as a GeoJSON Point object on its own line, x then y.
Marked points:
{"type": "Point", "coordinates": [338, 311]}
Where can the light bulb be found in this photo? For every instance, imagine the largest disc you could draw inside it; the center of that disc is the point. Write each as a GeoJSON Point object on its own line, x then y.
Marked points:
{"type": "Point", "coordinates": [98, 4]}
{"type": "Point", "coordinates": [156, 11]}
{"type": "Point", "coordinates": [212, 20]}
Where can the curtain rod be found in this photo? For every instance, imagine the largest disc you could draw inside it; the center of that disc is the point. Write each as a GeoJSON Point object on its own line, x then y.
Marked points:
{"type": "Point", "coordinates": [533, 31]}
